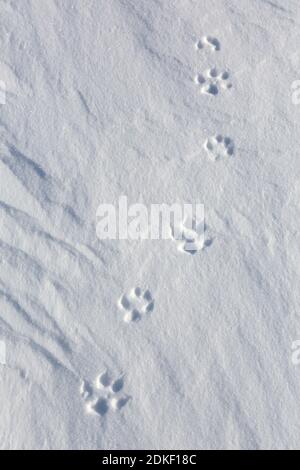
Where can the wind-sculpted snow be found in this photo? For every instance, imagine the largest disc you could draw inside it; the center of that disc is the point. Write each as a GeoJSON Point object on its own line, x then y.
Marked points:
{"type": "Point", "coordinates": [165, 102]}
{"type": "Point", "coordinates": [36, 181]}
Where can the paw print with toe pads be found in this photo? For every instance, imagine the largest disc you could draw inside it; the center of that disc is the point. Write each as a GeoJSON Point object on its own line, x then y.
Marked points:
{"type": "Point", "coordinates": [213, 81]}
{"type": "Point", "coordinates": [190, 236]}
{"type": "Point", "coordinates": [208, 41]}
{"type": "Point", "coordinates": [136, 304]}
{"type": "Point", "coordinates": [219, 146]}
{"type": "Point", "coordinates": [104, 395]}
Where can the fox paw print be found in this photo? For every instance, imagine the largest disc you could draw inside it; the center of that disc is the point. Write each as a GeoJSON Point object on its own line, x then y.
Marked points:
{"type": "Point", "coordinates": [105, 395]}
{"type": "Point", "coordinates": [219, 146]}
{"type": "Point", "coordinates": [189, 236]}
{"type": "Point", "coordinates": [208, 41]}
{"type": "Point", "coordinates": [212, 82]}
{"type": "Point", "coordinates": [136, 304]}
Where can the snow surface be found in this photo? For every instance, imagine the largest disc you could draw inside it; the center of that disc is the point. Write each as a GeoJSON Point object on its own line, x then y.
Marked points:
{"type": "Point", "coordinates": [109, 98]}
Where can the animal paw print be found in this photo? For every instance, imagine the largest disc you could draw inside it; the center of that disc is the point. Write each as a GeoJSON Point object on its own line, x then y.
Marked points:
{"type": "Point", "coordinates": [219, 146]}
{"type": "Point", "coordinates": [136, 303]}
{"type": "Point", "coordinates": [209, 41]}
{"type": "Point", "coordinates": [213, 81]}
{"type": "Point", "coordinates": [190, 236]}
{"type": "Point", "coordinates": [104, 396]}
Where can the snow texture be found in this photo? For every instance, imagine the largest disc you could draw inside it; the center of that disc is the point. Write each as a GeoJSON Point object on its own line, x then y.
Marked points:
{"type": "Point", "coordinates": [162, 101]}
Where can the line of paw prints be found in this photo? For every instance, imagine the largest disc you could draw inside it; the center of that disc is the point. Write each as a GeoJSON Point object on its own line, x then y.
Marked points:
{"type": "Point", "coordinates": [208, 41]}
{"type": "Point", "coordinates": [136, 304]}
{"type": "Point", "coordinates": [190, 236]}
{"type": "Point", "coordinates": [219, 146]}
{"type": "Point", "coordinates": [213, 81]}
{"type": "Point", "coordinates": [104, 395]}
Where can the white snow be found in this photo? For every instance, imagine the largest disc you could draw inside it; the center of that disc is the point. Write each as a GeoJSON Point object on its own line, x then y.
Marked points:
{"type": "Point", "coordinates": [126, 97]}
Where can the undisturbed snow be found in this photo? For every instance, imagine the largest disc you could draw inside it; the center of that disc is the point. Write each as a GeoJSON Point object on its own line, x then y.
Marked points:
{"type": "Point", "coordinates": [101, 101]}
